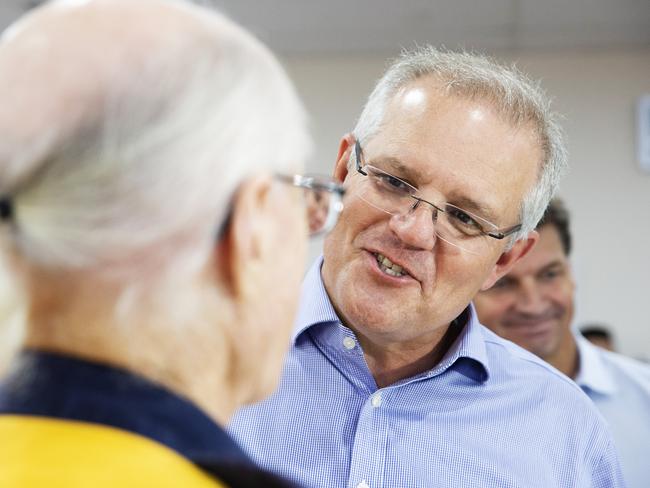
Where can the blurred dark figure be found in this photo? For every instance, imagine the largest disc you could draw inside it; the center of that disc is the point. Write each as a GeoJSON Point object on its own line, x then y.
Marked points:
{"type": "Point", "coordinates": [599, 336]}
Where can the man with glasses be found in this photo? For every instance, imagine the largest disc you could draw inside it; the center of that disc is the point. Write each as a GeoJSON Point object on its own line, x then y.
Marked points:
{"type": "Point", "coordinates": [391, 381]}
{"type": "Point", "coordinates": [533, 305]}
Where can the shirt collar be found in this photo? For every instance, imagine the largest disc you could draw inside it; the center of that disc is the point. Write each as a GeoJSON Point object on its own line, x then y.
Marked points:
{"type": "Point", "coordinates": [592, 372]}
{"type": "Point", "coordinates": [467, 353]}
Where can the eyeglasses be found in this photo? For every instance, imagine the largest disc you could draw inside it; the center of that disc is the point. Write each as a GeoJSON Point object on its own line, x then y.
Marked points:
{"type": "Point", "coordinates": [452, 224]}
{"type": "Point", "coordinates": [323, 200]}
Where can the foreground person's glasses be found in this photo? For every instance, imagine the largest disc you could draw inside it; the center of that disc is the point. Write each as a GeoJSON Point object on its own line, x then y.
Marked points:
{"type": "Point", "coordinates": [452, 224]}
{"type": "Point", "coordinates": [323, 200]}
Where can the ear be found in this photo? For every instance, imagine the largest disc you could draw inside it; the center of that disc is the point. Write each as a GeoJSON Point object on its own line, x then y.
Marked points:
{"type": "Point", "coordinates": [246, 242]}
{"type": "Point", "coordinates": [346, 146]}
{"type": "Point", "coordinates": [508, 259]}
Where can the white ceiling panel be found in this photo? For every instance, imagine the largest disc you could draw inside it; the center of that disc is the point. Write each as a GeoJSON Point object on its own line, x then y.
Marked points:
{"type": "Point", "coordinates": [310, 27]}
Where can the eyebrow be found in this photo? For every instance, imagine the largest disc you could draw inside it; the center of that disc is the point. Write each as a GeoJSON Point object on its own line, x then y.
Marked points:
{"type": "Point", "coordinates": [553, 264]}
{"type": "Point", "coordinates": [478, 209]}
{"type": "Point", "coordinates": [397, 168]}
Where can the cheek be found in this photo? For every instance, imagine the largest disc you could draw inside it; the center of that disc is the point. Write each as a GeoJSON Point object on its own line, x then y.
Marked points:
{"type": "Point", "coordinates": [337, 244]}
{"type": "Point", "coordinates": [563, 295]}
{"type": "Point", "coordinates": [461, 274]}
{"type": "Point", "coordinates": [357, 215]}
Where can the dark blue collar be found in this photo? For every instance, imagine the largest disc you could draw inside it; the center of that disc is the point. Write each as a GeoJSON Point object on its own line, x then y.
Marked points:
{"type": "Point", "coordinates": [53, 385]}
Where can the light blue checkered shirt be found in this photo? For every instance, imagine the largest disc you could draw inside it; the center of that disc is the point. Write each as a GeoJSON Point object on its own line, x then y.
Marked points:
{"type": "Point", "coordinates": [489, 415]}
{"type": "Point", "coordinates": [620, 389]}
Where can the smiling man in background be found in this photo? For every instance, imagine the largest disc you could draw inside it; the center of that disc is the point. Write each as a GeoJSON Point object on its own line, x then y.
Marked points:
{"type": "Point", "coordinates": [391, 380]}
{"type": "Point", "coordinates": [533, 306]}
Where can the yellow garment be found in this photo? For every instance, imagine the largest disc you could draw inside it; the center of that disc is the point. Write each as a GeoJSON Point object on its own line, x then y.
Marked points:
{"type": "Point", "coordinates": [52, 453]}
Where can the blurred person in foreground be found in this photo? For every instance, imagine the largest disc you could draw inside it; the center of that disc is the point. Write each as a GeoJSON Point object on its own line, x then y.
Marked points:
{"type": "Point", "coordinates": [533, 306]}
{"type": "Point", "coordinates": [149, 207]}
{"type": "Point", "coordinates": [391, 381]}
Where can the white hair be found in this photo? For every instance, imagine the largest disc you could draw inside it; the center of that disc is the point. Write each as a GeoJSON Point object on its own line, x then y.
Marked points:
{"type": "Point", "coordinates": [147, 170]}
{"type": "Point", "coordinates": [519, 100]}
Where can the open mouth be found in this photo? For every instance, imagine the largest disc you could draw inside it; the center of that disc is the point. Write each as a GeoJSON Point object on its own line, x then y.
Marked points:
{"type": "Point", "coordinates": [388, 267]}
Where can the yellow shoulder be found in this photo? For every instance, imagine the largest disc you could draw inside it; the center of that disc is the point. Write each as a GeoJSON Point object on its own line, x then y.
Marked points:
{"type": "Point", "coordinates": [39, 451]}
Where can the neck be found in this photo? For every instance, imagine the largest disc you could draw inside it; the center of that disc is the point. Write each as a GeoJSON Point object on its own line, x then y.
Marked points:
{"type": "Point", "coordinates": [565, 358]}
{"type": "Point", "coordinates": [390, 363]}
{"type": "Point", "coordinates": [81, 321]}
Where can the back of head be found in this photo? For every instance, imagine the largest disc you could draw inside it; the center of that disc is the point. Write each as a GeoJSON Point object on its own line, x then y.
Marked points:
{"type": "Point", "coordinates": [124, 138]}
{"type": "Point", "coordinates": [514, 96]}
{"type": "Point", "coordinates": [599, 335]}
{"type": "Point", "coordinates": [128, 129]}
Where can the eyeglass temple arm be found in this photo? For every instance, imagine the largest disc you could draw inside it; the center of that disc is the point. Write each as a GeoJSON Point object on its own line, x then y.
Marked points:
{"type": "Point", "coordinates": [357, 152]}
{"type": "Point", "coordinates": [501, 235]}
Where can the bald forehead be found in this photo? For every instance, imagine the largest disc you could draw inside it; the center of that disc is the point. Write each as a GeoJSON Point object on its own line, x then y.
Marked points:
{"type": "Point", "coordinates": [435, 86]}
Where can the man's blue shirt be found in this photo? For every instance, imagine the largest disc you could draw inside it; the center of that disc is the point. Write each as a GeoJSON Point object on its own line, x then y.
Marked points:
{"type": "Point", "coordinates": [489, 414]}
{"type": "Point", "coordinates": [620, 389]}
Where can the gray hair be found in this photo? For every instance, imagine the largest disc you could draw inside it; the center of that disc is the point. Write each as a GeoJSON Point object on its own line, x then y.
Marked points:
{"type": "Point", "coordinates": [143, 164]}
{"type": "Point", "coordinates": [519, 100]}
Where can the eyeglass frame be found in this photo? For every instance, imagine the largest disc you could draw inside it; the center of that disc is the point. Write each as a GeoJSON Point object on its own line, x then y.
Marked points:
{"type": "Point", "coordinates": [318, 183]}
{"type": "Point", "coordinates": [497, 233]}
{"type": "Point", "coordinates": [309, 182]}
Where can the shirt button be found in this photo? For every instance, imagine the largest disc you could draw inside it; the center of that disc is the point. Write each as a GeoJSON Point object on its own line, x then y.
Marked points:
{"type": "Point", "coordinates": [349, 343]}
{"type": "Point", "coordinates": [375, 401]}
{"type": "Point", "coordinates": [363, 484]}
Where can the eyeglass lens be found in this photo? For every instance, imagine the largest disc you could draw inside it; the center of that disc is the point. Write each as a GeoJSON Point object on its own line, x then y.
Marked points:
{"type": "Point", "coordinates": [403, 205]}
{"type": "Point", "coordinates": [323, 208]}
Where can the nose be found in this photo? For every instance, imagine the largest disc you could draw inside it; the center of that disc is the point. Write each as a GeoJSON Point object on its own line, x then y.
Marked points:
{"type": "Point", "coordinates": [415, 228]}
{"type": "Point", "coordinates": [531, 299]}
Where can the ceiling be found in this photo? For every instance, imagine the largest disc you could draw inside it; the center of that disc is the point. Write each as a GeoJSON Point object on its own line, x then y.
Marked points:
{"type": "Point", "coordinates": [338, 27]}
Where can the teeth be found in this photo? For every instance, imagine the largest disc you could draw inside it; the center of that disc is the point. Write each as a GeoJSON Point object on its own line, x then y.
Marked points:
{"type": "Point", "coordinates": [391, 272]}
{"type": "Point", "coordinates": [388, 267]}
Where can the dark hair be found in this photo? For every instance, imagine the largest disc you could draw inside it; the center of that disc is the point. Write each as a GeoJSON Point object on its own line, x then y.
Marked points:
{"type": "Point", "coordinates": [557, 215]}
{"type": "Point", "coordinates": [596, 331]}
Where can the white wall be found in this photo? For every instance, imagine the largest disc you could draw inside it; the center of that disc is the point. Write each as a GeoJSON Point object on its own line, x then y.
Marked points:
{"type": "Point", "coordinates": [608, 195]}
